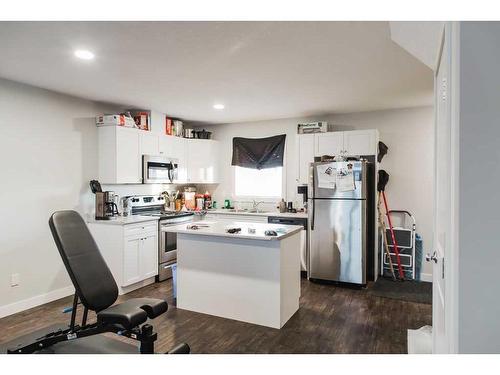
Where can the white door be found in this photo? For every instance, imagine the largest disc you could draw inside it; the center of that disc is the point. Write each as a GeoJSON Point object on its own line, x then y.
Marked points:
{"type": "Point", "coordinates": [306, 156]}
{"type": "Point", "coordinates": [329, 143]}
{"type": "Point", "coordinates": [198, 154]}
{"type": "Point", "coordinates": [128, 158]}
{"type": "Point", "coordinates": [149, 143]}
{"type": "Point", "coordinates": [175, 147]}
{"type": "Point", "coordinates": [131, 265]}
{"type": "Point", "coordinates": [360, 142]}
{"type": "Point", "coordinates": [211, 159]}
{"type": "Point", "coordinates": [149, 256]}
{"type": "Point", "coordinates": [442, 203]}
{"type": "Point", "coordinates": [180, 153]}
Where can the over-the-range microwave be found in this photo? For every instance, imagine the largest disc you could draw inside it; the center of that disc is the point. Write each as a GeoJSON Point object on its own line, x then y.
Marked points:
{"type": "Point", "coordinates": [159, 169]}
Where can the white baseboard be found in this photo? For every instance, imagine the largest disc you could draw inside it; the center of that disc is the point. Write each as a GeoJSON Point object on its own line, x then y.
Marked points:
{"type": "Point", "coordinates": [35, 301]}
{"type": "Point", "coordinates": [426, 277]}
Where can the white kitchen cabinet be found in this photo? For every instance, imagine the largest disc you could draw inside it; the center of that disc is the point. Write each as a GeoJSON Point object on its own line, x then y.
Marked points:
{"type": "Point", "coordinates": [202, 161]}
{"type": "Point", "coordinates": [361, 142]}
{"type": "Point", "coordinates": [149, 143]}
{"type": "Point", "coordinates": [305, 147]}
{"type": "Point", "coordinates": [131, 256]}
{"type": "Point", "coordinates": [176, 147]}
{"type": "Point", "coordinates": [140, 254]}
{"type": "Point", "coordinates": [329, 143]}
{"type": "Point", "coordinates": [140, 258]}
{"type": "Point", "coordinates": [130, 251]}
{"type": "Point", "coordinates": [119, 155]}
{"type": "Point", "coordinates": [149, 256]}
{"type": "Point", "coordinates": [347, 143]}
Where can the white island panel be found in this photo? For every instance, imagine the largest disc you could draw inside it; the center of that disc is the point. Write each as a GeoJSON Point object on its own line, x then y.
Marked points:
{"type": "Point", "coordinates": [249, 280]}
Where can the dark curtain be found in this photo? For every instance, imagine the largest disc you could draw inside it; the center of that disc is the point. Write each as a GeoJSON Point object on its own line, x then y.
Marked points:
{"type": "Point", "coordinates": [259, 153]}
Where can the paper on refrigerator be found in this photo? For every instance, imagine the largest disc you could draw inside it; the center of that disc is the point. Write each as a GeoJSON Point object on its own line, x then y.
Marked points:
{"type": "Point", "coordinates": [326, 176]}
{"type": "Point", "coordinates": [345, 180]}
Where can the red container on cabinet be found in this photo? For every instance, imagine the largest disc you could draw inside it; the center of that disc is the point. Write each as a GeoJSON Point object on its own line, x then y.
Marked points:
{"type": "Point", "coordinates": [168, 126]}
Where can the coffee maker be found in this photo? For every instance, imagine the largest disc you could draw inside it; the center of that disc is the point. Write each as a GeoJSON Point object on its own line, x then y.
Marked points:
{"type": "Point", "coordinates": [105, 202]}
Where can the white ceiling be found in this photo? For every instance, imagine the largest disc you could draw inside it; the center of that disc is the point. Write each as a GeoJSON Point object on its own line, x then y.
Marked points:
{"type": "Point", "coordinates": [259, 70]}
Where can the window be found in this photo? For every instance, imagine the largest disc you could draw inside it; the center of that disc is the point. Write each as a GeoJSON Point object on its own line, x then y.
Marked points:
{"type": "Point", "coordinates": [262, 183]}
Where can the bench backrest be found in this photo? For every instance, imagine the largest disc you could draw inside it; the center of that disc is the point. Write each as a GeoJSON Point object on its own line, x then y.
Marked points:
{"type": "Point", "coordinates": [86, 267]}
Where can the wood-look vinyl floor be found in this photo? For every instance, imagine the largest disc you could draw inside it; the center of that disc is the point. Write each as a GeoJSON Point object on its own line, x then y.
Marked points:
{"type": "Point", "coordinates": [331, 319]}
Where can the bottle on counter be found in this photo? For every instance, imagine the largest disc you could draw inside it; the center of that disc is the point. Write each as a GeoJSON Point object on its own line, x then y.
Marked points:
{"type": "Point", "coordinates": [200, 202]}
{"type": "Point", "coordinates": [178, 204]}
{"type": "Point", "coordinates": [208, 200]}
{"type": "Point", "coordinates": [282, 206]}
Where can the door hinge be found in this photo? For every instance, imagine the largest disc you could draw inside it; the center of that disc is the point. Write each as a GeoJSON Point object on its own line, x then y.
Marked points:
{"type": "Point", "coordinates": [442, 268]}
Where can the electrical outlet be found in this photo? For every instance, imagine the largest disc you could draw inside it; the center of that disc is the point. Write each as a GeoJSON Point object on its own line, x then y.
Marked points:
{"type": "Point", "coordinates": [15, 279]}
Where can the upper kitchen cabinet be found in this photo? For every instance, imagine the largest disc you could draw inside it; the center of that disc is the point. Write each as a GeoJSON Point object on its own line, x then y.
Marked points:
{"type": "Point", "coordinates": [202, 161]}
{"type": "Point", "coordinates": [361, 142]}
{"type": "Point", "coordinates": [348, 143]}
{"type": "Point", "coordinates": [172, 147]}
{"type": "Point", "coordinates": [329, 143]}
{"type": "Point", "coordinates": [119, 155]}
{"type": "Point", "coordinates": [149, 143]}
{"type": "Point", "coordinates": [305, 147]}
{"type": "Point", "coordinates": [175, 148]}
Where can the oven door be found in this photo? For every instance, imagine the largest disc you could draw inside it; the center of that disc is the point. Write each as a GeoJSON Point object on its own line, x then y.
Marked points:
{"type": "Point", "coordinates": [168, 240]}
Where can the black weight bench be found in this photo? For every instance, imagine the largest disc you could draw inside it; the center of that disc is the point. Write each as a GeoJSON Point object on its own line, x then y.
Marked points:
{"type": "Point", "coordinates": [97, 291]}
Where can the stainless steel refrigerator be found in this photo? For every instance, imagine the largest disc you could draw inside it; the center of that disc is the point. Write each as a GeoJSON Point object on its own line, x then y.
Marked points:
{"type": "Point", "coordinates": [337, 207]}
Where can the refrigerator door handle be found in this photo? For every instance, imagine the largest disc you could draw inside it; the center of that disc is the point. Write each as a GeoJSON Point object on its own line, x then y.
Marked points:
{"type": "Point", "coordinates": [312, 214]}
{"type": "Point", "coordinates": [312, 187]}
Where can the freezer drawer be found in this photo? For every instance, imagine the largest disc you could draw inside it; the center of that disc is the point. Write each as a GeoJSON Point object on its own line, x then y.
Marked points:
{"type": "Point", "coordinates": [338, 241]}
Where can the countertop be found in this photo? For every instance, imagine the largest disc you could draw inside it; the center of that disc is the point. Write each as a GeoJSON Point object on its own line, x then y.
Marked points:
{"type": "Point", "coordinates": [218, 229]}
{"type": "Point", "coordinates": [268, 213]}
{"type": "Point", "coordinates": [122, 220]}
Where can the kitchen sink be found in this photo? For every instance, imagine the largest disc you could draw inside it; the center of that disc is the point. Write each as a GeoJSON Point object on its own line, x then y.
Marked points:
{"type": "Point", "coordinates": [251, 211]}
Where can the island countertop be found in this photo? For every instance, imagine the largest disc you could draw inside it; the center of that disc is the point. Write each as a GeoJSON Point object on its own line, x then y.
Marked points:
{"type": "Point", "coordinates": [219, 229]}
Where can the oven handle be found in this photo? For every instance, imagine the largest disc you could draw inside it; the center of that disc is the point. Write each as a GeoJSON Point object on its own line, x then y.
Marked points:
{"type": "Point", "coordinates": [164, 227]}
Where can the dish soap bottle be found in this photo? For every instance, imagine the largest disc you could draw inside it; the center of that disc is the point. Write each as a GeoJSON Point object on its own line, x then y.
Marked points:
{"type": "Point", "coordinates": [282, 206]}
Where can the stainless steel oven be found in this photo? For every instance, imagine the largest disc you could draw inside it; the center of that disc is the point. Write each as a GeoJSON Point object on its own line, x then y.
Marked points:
{"type": "Point", "coordinates": [167, 255]}
{"type": "Point", "coordinates": [159, 169]}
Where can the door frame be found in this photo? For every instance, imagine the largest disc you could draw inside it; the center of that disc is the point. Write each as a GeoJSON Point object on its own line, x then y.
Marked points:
{"type": "Point", "coordinates": [451, 31]}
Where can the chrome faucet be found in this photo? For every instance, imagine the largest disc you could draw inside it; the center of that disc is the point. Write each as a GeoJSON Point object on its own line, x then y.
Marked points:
{"type": "Point", "coordinates": [255, 204]}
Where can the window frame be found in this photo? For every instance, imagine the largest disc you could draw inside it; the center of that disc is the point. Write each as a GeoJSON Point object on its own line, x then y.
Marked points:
{"type": "Point", "coordinates": [259, 198]}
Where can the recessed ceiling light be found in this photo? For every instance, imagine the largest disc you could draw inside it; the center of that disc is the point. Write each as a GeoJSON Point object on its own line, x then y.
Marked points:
{"type": "Point", "coordinates": [84, 54]}
{"type": "Point", "coordinates": [218, 106]}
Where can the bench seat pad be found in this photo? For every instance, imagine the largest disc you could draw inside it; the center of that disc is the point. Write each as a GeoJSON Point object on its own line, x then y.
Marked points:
{"type": "Point", "coordinates": [132, 312]}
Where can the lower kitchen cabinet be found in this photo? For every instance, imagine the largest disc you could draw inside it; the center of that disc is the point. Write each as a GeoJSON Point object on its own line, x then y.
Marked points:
{"type": "Point", "coordinates": [130, 251]}
{"type": "Point", "coordinates": [140, 258]}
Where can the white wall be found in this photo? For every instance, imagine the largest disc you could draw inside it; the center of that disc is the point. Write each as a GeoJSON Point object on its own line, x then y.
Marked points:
{"type": "Point", "coordinates": [409, 134]}
{"type": "Point", "coordinates": [48, 154]}
{"type": "Point", "coordinates": [479, 206]}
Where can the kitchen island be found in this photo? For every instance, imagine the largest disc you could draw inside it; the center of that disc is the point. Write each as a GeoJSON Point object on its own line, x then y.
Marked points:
{"type": "Point", "coordinates": [245, 276]}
